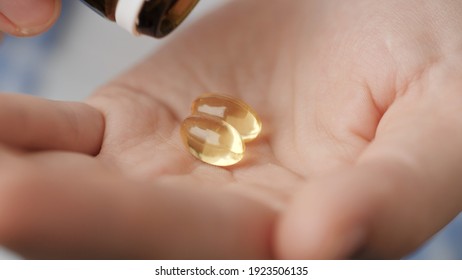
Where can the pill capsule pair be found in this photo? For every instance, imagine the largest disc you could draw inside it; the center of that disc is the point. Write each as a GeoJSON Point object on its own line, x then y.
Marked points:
{"type": "Point", "coordinates": [218, 128]}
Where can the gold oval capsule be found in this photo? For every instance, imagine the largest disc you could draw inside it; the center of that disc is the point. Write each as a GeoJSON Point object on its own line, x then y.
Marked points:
{"type": "Point", "coordinates": [212, 140]}
{"type": "Point", "coordinates": [233, 111]}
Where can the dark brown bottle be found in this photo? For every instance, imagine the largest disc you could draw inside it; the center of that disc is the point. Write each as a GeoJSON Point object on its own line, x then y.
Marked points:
{"type": "Point", "coordinates": [155, 18]}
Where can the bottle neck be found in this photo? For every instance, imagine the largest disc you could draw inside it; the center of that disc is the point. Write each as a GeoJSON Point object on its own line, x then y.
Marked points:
{"type": "Point", "coordinates": [105, 8]}
{"type": "Point", "coordinates": [155, 18]}
{"type": "Point", "coordinates": [127, 14]}
{"type": "Point", "coordinates": [161, 17]}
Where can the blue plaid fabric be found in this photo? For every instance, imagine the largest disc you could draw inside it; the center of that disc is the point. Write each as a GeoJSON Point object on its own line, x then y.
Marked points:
{"type": "Point", "coordinates": [21, 64]}
{"type": "Point", "coordinates": [23, 59]}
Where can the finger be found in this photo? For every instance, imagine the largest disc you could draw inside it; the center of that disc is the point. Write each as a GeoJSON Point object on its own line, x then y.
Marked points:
{"type": "Point", "coordinates": [28, 17]}
{"type": "Point", "coordinates": [383, 208]}
{"type": "Point", "coordinates": [405, 187]}
{"type": "Point", "coordinates": [58, 205]}
{"type": "Point", "coordinates": [37, 124]}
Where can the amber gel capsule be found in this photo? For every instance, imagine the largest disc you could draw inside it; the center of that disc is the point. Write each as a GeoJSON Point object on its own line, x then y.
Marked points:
{"type": "Point", "coordinates": [218, 128]}
{"type": "Point", "coordinates": [233, 111]}
{"type": "Point", "coordinates": [155, 18]}
{"type": "Point", "coordinates": [212, 140]}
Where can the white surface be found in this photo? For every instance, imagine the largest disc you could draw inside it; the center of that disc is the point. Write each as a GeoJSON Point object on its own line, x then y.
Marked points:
{"type": "Point", "coordinates": [231, 269]}
{"type": "Point", "coordinates": [127, 12]}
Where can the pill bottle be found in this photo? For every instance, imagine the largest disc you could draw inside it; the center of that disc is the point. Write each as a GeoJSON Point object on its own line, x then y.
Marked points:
{"type": "Point", "coordinates": [155, 18]}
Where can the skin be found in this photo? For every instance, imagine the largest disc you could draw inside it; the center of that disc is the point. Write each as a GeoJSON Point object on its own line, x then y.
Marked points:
{"type": "Point", "coordinates": [360, 156]}
{"type": "Point", "coordinates": [28, 17]}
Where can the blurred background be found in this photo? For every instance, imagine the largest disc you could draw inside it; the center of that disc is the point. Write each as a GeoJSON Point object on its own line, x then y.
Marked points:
{"type": "Point", "coordinates": [83, 51]}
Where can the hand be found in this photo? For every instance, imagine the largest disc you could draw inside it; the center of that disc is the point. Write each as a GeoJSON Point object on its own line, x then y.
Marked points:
{"type": "Point", "coordinates": [28, 17]}
{"type": "Point", "coordinates": [361, 108]}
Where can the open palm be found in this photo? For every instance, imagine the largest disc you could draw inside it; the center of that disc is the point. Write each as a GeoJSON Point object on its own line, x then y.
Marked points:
{"type": "Point", "coordinates": [360, 105]}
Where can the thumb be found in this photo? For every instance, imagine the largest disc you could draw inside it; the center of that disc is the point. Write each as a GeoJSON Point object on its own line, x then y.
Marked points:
{"type": "Point", "coordinates": [404, 187]}
{"type": "Point", "coordinates": [28, 17]}
{"type": "Point", "coordinates": [382, 208]}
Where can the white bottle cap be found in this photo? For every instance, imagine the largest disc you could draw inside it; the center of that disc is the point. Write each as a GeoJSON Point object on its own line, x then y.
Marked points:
{"type": "Point", "coordinates": [127, 13]}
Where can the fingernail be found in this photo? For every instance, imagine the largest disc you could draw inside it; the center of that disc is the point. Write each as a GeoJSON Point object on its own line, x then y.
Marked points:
{"type": "Point", "coordinates": [6, 25]}
{"type": "Point", "coordinates": [27, 17]}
